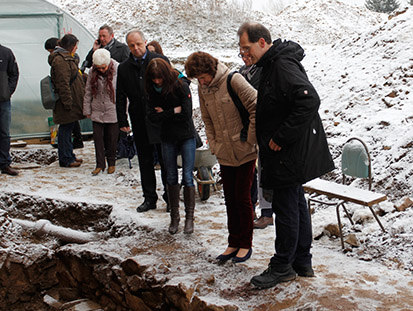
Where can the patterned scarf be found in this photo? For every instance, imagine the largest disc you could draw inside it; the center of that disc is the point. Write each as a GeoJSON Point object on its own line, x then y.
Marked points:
{"type": "Point", "coordinates": [107, 76]}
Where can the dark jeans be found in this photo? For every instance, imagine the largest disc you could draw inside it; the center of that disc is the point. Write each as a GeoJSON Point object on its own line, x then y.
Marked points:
{"type": "Point", "coordinates": [5, 120]}
{"type": "Point", "coordinates": [237, 182]}
{"type": "Point", "coordinates": [147, 170]}
{"type": "Point", "coordinates": [65, 145]}
{"type": "Point", "coordinates": [77, 132]}
{"type": "Point", "coordinates": [293, 227]}
{"type": "Point", "coordinates": [170, 153]}
{"type": "Point", "coordinates": [105, 136]}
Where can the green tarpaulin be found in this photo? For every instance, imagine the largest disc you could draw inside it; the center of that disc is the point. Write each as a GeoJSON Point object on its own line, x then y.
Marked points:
{"type": "Point", "coordinates": [24, 27]}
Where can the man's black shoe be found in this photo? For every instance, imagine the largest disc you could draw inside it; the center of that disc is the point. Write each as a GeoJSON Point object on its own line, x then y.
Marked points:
{"type": "Point", "coordinates": [9, 171]}
{"type": "Point", "coordinates": [271, 277]}
{"type": "Point", "coordinates": [305, 271]}
{"type": "Point", "coordinates": [145, 206]}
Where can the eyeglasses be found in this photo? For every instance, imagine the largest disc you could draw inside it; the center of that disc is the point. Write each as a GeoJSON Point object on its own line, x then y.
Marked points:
{"type": "Point", "coordinates": [244, 51]}
{"type": "Point", "coordinates": [241, 55]}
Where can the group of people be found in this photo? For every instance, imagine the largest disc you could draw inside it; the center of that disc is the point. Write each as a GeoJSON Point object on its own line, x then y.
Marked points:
{"type": "Point", "coordinates": [284, 131]}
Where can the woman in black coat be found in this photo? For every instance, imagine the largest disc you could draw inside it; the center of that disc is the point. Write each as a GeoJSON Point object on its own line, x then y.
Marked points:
{"type": "Point", "coordinates": [170, 105]}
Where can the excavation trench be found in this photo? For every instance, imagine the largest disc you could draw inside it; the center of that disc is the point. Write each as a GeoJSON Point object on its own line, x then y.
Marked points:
{"type": "Point", "coordinates": [123, 267]}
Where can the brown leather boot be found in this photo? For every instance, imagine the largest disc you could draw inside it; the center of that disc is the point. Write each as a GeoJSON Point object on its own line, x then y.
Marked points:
{"type": "Point", "coordinates": [189, 201]}
{"type": "Point", "coordinates": [173, 197]}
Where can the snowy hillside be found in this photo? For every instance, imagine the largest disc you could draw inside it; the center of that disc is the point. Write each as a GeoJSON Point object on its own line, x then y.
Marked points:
{"type": "Point", "coordinates": [366, 82]}
{"type": "Point", "coordinates": [192, 24]}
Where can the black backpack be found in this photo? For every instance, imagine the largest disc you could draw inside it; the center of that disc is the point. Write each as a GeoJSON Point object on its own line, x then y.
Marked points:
{"type": "Point", "coordinates": [243, 112]}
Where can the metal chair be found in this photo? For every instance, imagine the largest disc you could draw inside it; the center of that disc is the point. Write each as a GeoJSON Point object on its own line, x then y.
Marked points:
{"type": "Point", "coordinates": [355, 162]}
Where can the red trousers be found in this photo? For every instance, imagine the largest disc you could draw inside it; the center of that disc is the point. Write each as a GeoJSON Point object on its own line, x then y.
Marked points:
{"type": "Point", "coordinates": [237, 183]}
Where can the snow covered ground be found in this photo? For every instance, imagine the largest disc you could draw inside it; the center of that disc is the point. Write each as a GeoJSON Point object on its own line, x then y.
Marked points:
{"type": "Point", "coordinates": [362, 66]}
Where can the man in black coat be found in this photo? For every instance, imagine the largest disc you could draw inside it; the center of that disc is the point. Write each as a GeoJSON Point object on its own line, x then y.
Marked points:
{"type": "Point", "coordinates": [9, 75]}
{"type": "Point", "coordinates": [118, 50]}
{"type": "Point", "coordinates": [293, 148]}
{"type": "Point", "coordinates": [130, 85]}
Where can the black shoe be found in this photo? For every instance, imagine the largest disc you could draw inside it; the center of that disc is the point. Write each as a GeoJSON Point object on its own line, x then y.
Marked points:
{"type": "Point", "coordinates": [242, 259]}
{"type": "Point", "coordinates": [271, 277]}
{"type": "Point", "coordinates": [9, 171]}
{"type": "Point", "coordinates": [145, 206]}
{"type": "Point", "coordinates": [223, 258]}
{"type": "Point", "coordinates": [305, 271]}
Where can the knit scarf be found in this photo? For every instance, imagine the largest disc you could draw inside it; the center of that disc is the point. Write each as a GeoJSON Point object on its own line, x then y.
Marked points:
{"type": "Point", "coordinates": [108, 78]}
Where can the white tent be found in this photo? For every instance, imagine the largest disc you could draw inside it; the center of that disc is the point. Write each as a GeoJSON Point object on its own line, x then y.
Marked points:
{"type": "Point", "coordinates": [24, 27]}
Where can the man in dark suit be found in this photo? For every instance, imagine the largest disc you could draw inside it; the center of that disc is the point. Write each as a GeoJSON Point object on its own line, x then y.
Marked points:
{"type": "Point", "coordinates": [131, 86]}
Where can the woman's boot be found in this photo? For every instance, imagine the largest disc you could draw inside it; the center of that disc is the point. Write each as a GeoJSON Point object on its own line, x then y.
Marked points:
{"type": "Point", "coordinates": [189, 200]}
{"type": "Point", "coordinates": [173, 197]}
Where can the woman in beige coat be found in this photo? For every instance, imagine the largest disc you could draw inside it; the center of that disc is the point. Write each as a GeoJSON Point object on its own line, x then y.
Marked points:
{"type": "Point", "coordinates": [99, 105]}
{"type": "Point", "coordinates": [237, 158]}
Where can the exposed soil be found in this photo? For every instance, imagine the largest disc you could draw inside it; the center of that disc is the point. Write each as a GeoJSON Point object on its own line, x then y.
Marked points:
{"type": "Point", "coordinates": [146, 266]}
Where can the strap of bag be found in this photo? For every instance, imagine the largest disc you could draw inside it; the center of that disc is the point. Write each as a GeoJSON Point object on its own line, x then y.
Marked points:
{"type": "Point", "coordinates": [72, 80]}
{"type": "Point", "coordinates": [243, 112]}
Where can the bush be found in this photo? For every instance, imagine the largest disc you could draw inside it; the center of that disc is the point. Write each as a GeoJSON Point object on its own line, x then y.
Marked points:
{"type": "Point", "coordinates": [382, 6]}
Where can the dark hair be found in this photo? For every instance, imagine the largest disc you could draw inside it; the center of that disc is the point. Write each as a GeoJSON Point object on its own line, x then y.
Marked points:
{"type": "Point", "coordinates": [157, 46]}
{"type": "Point", "coordinates": [107, 27]}
{"type": "Point", "coordinates": [51, 43]}
{"type": "Point", "coordinates": [255, 31]}
{"type": "Point", "coordinates": [68, 42]}
{"type": "Point", "coordinates": [159, 68]}
{"type": "Point", "coordinates": [199, 63]}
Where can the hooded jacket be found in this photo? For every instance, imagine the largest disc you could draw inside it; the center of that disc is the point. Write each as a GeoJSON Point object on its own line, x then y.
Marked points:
{"type": "Point", "coordinates": [69, 86]}
{"type": "Point", "coordinates": [287, 113]}
{"type": "Point", "coordinates": [222, 119]}
{"type": "Point", "coordinates": [9, 73]}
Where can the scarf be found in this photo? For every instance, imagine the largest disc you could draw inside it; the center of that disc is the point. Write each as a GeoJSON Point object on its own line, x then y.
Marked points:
{"type": "Point", "coordinates": [108, 78]}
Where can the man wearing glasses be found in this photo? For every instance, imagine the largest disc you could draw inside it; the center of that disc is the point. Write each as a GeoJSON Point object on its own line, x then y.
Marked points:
{"type": "Point", "coordinates": [292, 148]}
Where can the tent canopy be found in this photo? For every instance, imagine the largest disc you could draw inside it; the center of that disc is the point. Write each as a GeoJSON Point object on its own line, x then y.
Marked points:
{"type": "Point", "coordinates": [24, 27]}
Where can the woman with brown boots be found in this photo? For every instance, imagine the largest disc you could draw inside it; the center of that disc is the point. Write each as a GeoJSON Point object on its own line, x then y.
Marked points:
{"type": "Point", "coordinates": [100, 106]}
{"type": "Point", "coordinates": [170, 104]}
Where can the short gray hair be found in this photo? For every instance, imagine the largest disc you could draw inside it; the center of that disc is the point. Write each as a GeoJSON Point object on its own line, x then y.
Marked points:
{"type": "Point", "coordinates": [135, 31]}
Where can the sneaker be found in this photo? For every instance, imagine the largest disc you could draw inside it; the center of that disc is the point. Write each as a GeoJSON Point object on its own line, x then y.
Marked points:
{"type": "Point", "coordinates": [305, 271]}
{"type": "Point", "coordinates": [263, 222]}
{"type": "Point", "coordinates": [271, 277]}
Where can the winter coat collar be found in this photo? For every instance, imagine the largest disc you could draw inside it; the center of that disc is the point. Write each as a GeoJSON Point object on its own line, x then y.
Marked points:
{"type": "Point", "coordinates": [285, 49]}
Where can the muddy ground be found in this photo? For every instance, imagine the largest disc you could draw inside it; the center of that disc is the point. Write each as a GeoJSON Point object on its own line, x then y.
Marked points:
{"type": "Point", "coordinates": [148, 268]}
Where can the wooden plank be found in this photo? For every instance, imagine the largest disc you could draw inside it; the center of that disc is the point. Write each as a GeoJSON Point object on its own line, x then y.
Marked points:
{"type": "Point", "coordinates": [344, 192]}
